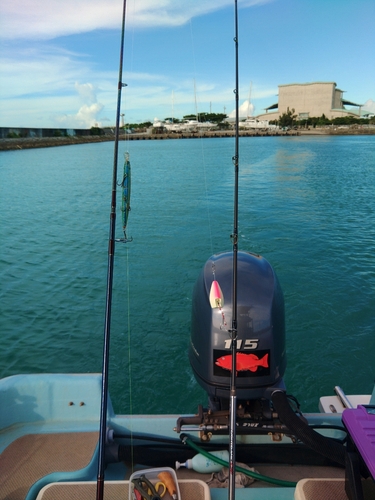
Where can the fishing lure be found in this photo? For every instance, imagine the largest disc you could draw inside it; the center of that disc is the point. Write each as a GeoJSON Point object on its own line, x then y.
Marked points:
{"type": "Point", "coordinates": [125, 196]}
{"type": "Point", "coordinates": [217, 298]}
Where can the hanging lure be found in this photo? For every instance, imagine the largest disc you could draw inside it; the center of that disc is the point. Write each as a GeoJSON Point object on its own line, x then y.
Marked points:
{"type": "Point", "coordinates": [217, 297]}
{"type": "Point", "coordinates": [125, 196]}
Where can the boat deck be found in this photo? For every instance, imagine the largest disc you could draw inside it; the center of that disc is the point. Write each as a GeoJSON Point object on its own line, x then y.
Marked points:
{"type": "Point", "coordinates": [57, 456]}
{"type": "Point", "coordinates": [49, 434]}
{"type": "Point", "coordinates": [65, 456]}
{"type": "Point", "coordinates": [307, 489]}
{"type": "Point", "coordinates": [34, 456]}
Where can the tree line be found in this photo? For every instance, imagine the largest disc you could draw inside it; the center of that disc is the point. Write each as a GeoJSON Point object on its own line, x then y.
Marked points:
{"type": "Point", "coordinates": [289, 119]}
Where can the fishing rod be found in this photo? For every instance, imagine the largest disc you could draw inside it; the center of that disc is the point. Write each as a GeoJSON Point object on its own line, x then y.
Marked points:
{"type": "Point", "coordinates": [234, 236]}
{"type": "Point", "coordinates": [111, 258]}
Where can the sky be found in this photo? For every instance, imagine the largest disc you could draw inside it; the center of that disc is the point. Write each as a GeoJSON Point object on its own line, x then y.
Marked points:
{"type": "Point", "coordinates": [59, 60]}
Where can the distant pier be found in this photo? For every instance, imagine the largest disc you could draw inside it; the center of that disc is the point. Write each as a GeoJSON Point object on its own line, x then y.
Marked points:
{"type": "Point", "coordinates": [8, 144]}
{"type": "Point", "coordinates": [210, 134]}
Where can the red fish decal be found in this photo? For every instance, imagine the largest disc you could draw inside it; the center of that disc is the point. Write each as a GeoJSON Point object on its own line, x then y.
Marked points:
{"type": "Point", "coordinates": [243, 362]}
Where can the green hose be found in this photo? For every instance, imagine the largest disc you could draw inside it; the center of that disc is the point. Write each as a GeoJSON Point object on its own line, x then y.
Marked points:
{"type": "Point", "coordinates": [279, 482]}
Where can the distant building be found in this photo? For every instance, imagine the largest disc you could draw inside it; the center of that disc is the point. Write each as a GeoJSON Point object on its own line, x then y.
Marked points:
{"type": "Point", "coordinates": [310, 100]}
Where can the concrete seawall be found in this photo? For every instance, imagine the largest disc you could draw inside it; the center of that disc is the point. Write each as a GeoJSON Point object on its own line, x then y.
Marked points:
{"type": "Point", "coordinates": [45, 142]}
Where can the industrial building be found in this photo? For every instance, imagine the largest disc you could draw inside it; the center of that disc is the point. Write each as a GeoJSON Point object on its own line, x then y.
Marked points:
{"type": "Point", "coordinates": [310, 100]}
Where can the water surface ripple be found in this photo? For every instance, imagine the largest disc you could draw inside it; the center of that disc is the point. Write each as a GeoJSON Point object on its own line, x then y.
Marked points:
{"type": "Point", "coordinates": [307, 204]}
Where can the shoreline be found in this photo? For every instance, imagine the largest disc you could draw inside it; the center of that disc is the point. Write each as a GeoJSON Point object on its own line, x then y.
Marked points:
{"type": "Point", "coordinates": [45, 142]}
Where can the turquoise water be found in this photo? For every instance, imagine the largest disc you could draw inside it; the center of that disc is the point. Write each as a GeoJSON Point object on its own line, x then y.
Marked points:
{"type": "Point", "coordinates": [307, 204]}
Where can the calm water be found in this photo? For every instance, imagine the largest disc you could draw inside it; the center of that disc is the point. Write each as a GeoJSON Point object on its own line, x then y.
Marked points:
{"type": "Point", "coordinates": [306, 204]}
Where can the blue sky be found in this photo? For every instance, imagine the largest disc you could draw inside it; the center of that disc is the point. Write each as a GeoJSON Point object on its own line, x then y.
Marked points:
{"type": "Point", "coordinates": [59, 60]}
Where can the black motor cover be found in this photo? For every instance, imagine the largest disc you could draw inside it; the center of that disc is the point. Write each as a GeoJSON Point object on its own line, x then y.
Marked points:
{"type": "Point", "coordinates": [261, 358]}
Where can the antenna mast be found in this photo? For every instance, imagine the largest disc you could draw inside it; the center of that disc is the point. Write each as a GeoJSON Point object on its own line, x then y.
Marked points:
{"type": "Point", "coordinates": [249, 104]}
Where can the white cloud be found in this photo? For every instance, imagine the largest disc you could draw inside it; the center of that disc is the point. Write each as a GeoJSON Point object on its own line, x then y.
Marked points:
{"type": "Point", "coordinates": [88, 114]}
{"type": "Point", "coordinates": [245, 110]}
{"type": "Point", "coordinates": [86, 117]}
{"type": "Point", "coordinates": [36, 111]}
{"type": "Point", "coordinates": [68, 90]}
{"type": "Point", "coordinates": [47, 19]}
{"type": "Point", "coordinates": [87, 92]}
{"type": "Point", "coordinates": [39, 78]}
{"type": "Point", "coordinates": [42, 81]}
{"type": "Point", "coordinates": [39, 88]}
{"type": "Point", "coordinates": [369, 105]}
{"type": "Point", "coordinates": [39, 71]}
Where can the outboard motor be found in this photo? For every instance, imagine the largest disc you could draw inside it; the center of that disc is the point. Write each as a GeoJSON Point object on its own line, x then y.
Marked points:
{"type": "Point", "coordinates": [261, 357]}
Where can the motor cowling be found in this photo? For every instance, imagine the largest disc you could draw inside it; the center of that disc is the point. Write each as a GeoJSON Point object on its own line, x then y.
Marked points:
{"type": "Point", "coordinates": [261, 357]}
